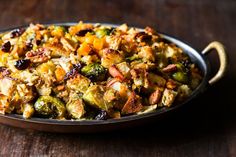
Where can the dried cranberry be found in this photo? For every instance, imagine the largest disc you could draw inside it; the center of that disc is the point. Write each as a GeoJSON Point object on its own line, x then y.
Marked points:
{"type": "Point", "coordinates": [38, 42]}
{"type": "Point", "coordinates": [143, 37]}
{"type": "Point", "coordinates": [102, 115]}
{"type": "Point", "coordinates": [73, 72]}
{"type": "Point", "coordinates": [22, 64]}
{"type": "Point", "coordinates": [169, 60]}
{"type": "Point", "coordinates": [29, 45]}
{"type": "Point", "coordinates": [6, 47]}
{"type": "Point", "coordinates": [83, 32]}
{"type": "Point", "coordinates": [17, 32]}
{"type": "Point", "coordinates": [186, 63]}
{"type": "Point", "coordinates": [78, 66]}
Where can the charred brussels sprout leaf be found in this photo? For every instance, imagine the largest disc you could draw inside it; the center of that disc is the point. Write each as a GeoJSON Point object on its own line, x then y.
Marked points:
{"type": "Point", "coordinates": [49, 107]}
{"type": "Point", "coordinates": [132, 58]}
{"type": "Point", "coordinates": [180, 77]}
{"type": "Point", "coordinates": [94, 71]}
{"type": "Point", "coordinates": [75, 108]}
{"type": "Point", "coordinates": [94, 97]}
{"type": "Point", "coordinates": [103, 32]}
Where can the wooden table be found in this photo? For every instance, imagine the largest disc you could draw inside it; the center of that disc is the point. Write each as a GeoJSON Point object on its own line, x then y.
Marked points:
{"type": "Point", "coordinates": [205, 128]}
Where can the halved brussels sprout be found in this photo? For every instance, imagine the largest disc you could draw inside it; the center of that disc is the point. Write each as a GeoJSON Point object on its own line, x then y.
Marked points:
{"type": "Point", "coordinates": [94, 97]}
{"type": "Point", "coordinates": [180, 77]}
{"type": "Point", "coordinates": [49, 106]}
{"type": "Point", "coordinates": [78, 83]}
{"type": "Point", "coordinates": [156, 80]}
{"type": "Point", "coordinates": [75, 108]}
{"type": "Point", "coordinates": [94, 71]}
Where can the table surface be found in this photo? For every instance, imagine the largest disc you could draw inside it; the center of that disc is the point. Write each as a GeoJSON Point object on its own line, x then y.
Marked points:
{"type": "Point", "coordinates": [206, 128]}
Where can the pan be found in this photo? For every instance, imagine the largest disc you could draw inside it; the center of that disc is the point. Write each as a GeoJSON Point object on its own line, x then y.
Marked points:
{"type": "Point", "coordinates": [93, 126]}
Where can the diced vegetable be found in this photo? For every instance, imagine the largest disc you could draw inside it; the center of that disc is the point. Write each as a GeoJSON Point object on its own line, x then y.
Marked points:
{"type": "Point", "coordinates": [89, 38]}
{"type": "Point", "coordinates": [3, 58]}
{"type": "Point", "coordinates": [98, 44]}
{"type": "Point", "coordinates": [58, 31]}
{"type": "Point", "coordinates": [60, 73]}
{"type": "Point", "coordinates": [84, 49]}
{"type": "Point", "coordinates": [46, 68]}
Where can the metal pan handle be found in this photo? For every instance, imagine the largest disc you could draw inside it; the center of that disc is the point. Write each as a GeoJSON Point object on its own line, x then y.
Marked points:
{"type": "Point", "coordinates": [222, 57]}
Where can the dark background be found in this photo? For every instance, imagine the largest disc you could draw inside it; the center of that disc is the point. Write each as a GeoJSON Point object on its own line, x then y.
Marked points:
{"type": "Point", "coordinates": [204, 128]}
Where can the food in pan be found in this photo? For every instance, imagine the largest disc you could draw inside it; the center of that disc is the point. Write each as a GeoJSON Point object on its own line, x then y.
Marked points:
{"type": "Point", "coordinates": [91, 72]}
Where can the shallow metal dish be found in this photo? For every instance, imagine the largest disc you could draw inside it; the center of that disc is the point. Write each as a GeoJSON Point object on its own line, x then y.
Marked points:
{"type": "Point", "coordinates": [87, 126]}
